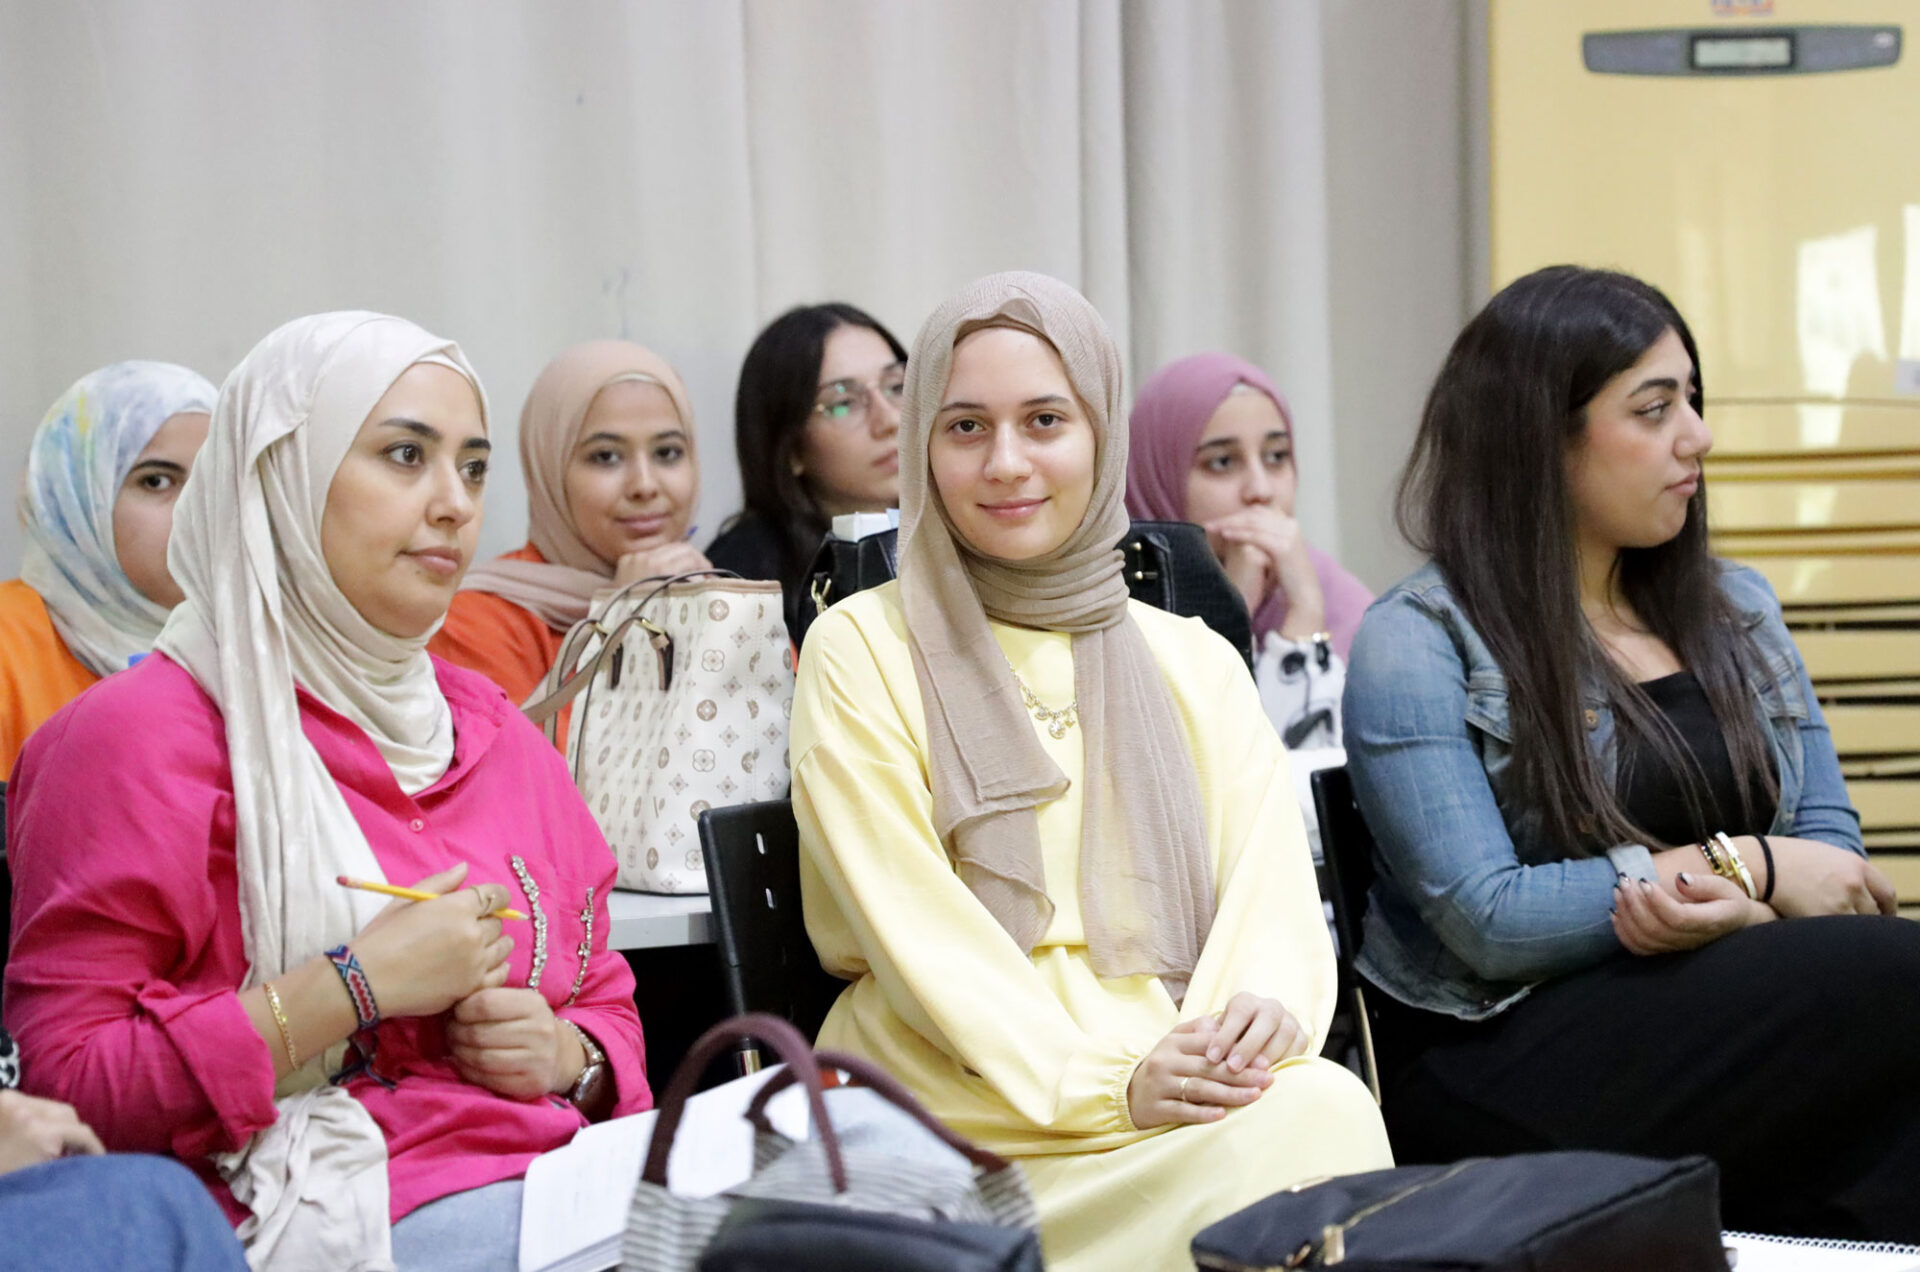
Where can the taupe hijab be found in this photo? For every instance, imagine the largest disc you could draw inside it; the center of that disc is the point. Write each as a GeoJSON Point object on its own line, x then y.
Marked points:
{"type": "Point", "coordinates": [561, 588]}
{"type": "Point", "coordinates": [1146, 880]}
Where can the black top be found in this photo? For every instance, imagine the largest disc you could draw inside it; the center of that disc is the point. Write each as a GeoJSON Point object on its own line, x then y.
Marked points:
{"type": "Point", "coordinates": [752, 547]}
{"type": "Point", "coordinates": [1653, 796]}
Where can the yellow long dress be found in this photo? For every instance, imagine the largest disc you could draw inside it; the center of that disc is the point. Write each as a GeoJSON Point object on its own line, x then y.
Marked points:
{"type": "Point", "coordinates": [1031, 1055]}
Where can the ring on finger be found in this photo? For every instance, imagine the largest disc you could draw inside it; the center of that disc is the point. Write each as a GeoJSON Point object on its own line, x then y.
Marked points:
{"type": "Point", "coordinates": [1183, 1087]}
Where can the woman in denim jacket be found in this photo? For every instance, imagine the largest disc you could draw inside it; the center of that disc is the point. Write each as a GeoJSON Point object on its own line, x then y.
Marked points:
{"type": "Point", "coordinates": [1547, 726]}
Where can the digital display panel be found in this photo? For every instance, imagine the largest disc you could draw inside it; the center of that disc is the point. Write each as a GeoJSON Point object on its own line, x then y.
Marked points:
{"type": "Point", "coordinates": [1742, 52]}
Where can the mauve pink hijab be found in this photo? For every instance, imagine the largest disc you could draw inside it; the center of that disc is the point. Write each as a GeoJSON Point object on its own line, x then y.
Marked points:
{"type": "Point", "coordinates": [1170, 415]}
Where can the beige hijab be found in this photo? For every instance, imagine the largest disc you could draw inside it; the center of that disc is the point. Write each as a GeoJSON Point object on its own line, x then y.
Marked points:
{"type": "Point", "coordinates": [561, 588]}
{"type": "Point", "coordinates": [1146, 881]}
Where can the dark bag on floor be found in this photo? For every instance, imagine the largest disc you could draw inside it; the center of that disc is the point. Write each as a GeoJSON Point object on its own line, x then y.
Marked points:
{"type": "Point", "coordinates": [1169, 565]}
{"type": "Point", "coordinates": [795, 1236]}
{"type": "Point", "coordinates": [1535, 1212]}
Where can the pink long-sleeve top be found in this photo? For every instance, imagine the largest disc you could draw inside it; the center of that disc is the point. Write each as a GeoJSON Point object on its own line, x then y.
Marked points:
{"type": "Point", "coordinates": [122, 985]}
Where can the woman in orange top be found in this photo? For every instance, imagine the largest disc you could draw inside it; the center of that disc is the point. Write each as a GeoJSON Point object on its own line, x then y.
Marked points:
{"type": "Point", "coordinates": [607, 449]}
{"type": "Point", "coordinates": [106, 464]}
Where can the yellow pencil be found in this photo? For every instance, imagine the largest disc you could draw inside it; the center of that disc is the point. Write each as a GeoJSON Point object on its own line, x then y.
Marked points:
{"type": "Point", "coordinates": [412, 894]}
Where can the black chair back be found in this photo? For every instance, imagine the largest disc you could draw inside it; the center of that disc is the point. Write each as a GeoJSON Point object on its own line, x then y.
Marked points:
{"type": "Point", "coordinates": [752, 855]}
{"type": "Point", "coordinates": [1346, 847]}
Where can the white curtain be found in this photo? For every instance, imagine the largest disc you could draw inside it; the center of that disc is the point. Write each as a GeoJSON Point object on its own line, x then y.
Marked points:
{"type": "Point", "coordinates": [176, 178]}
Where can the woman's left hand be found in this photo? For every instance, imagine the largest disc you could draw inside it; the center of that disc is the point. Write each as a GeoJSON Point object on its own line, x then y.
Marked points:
{"type": "Point", "coordinates": [509, 1041]}
{"type": "Point", "coordinates": [1648, 920]}
{"type": "Point", "coordinates": [1255, 1032]}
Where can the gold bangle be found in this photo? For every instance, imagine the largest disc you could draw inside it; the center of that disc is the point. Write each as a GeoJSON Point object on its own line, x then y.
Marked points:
{"type": "Point", "coordinates": [280, 1022]}
{"type": "Point", "coordinates": [1741, 874]}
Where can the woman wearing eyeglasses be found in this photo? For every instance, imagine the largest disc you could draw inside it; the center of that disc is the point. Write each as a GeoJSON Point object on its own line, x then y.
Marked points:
{"type": "Point", "coordinates": [816, 423]}
{"type": "Point", "coordinates": [607, 450]}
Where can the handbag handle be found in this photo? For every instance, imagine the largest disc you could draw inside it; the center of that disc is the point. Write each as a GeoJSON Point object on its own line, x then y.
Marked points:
{"type": "Point", "coordinates": [888, 1088]}
{"type": "Point", "coordinates": [544, 710]}
{"type": "Point", "coordinates": [794, 1052]}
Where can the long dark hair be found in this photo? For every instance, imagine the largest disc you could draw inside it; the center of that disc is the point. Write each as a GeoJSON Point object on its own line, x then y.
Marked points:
{"type": "Point", "coordinates": [1485, 493]}
{"type": "Point", "coordinates": [779, 382]}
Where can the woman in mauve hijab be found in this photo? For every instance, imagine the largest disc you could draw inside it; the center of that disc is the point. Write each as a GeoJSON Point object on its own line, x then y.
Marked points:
{"type": "Point", "coordinates": [1048, 832]}
{"type": "Point", "coordinates": [1213, 444]}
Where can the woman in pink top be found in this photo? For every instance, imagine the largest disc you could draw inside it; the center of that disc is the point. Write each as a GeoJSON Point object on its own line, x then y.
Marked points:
{"type": "Point", "coordinates": [355, 1080]}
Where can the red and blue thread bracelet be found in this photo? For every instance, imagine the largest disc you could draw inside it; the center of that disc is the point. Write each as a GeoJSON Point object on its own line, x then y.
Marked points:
{"type": "Point", "coordinates": [365, 1009]}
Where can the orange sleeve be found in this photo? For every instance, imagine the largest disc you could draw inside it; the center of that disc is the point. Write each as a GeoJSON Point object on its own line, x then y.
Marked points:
{"type": "Point", "coordinates": [38, 675]}
{"type": "Point", "coordinates": [507, 644]}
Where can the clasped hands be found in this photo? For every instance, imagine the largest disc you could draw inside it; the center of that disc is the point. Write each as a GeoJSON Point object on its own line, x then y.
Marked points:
{"type": "Point", "coordinates": [428, 957]}
{"type": "Point", "coordinates": [1210, 1064]}
{"type": "Point", "coordinates": [1813, 878]}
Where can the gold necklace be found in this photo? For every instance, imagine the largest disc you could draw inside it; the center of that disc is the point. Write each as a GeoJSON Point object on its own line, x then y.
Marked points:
{"type": "Point", "coordinates": [1058, 721]}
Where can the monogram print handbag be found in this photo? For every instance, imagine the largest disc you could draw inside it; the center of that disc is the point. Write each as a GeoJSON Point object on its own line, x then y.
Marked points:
{"type": "Point", "coordinates": [681, 690]}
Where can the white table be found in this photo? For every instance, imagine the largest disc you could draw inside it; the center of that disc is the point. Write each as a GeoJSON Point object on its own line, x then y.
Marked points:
{"type": "Point", "coordinates": [642, 920]}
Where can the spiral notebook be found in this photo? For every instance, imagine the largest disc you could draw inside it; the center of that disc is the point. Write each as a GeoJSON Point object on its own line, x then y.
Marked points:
{"type": "Point", "coordinates": [1752, 1253]}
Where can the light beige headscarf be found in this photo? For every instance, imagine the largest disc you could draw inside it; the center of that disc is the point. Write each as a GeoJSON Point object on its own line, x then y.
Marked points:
{"type": "Point", "coordinates": [1146, 881]}
{"type": "Point", "coordinates": [262, 614]}
{"type": "Point", "coordinates": [560, 590]}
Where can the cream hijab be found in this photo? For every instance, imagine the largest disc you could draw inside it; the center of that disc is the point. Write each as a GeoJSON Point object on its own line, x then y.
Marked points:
{"type": "Point", "coordinates": [262, 614]}
{"type": "Point", "coordinates": [1146, 880]}
{"type": "Point", "coordinates": [561, 589]}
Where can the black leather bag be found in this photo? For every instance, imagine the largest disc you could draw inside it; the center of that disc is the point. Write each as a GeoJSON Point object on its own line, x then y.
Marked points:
{"type": "Point", "coordinates": [1168, 564]}
{"type": "Point", "coordinates": [1535, 1212]}
{"type": "Point", "coordinates": [842, 567]}
{"type": "Point", "coordinates": [795, 1236]}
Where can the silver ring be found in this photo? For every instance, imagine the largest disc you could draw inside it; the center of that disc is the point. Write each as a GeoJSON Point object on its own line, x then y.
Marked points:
{"type": "Point", "coordinates": [1183, 1087]}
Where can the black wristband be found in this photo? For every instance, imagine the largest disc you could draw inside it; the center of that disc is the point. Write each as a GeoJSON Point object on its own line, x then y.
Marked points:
{"type": "Point", "coordinates": [1766, 850]}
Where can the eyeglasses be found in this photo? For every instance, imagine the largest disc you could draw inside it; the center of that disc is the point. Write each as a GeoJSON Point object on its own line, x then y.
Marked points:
{"type": "Point", "coordinates": [847, 401]}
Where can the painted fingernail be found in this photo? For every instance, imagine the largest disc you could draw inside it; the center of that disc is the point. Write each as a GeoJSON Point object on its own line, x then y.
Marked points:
{"type": "Point", "coordinates": [1645, 887]}
{"type": "Point", "coordinates": [1686, 878]}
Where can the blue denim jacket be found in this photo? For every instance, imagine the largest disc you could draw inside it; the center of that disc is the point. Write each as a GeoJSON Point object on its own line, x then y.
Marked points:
{"type": "Point", "coordinates": [1456, 922]}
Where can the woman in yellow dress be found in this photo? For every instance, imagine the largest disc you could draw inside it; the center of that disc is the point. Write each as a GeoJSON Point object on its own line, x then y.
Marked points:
{"type": "Point", "coordinates": [1048, 832]}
